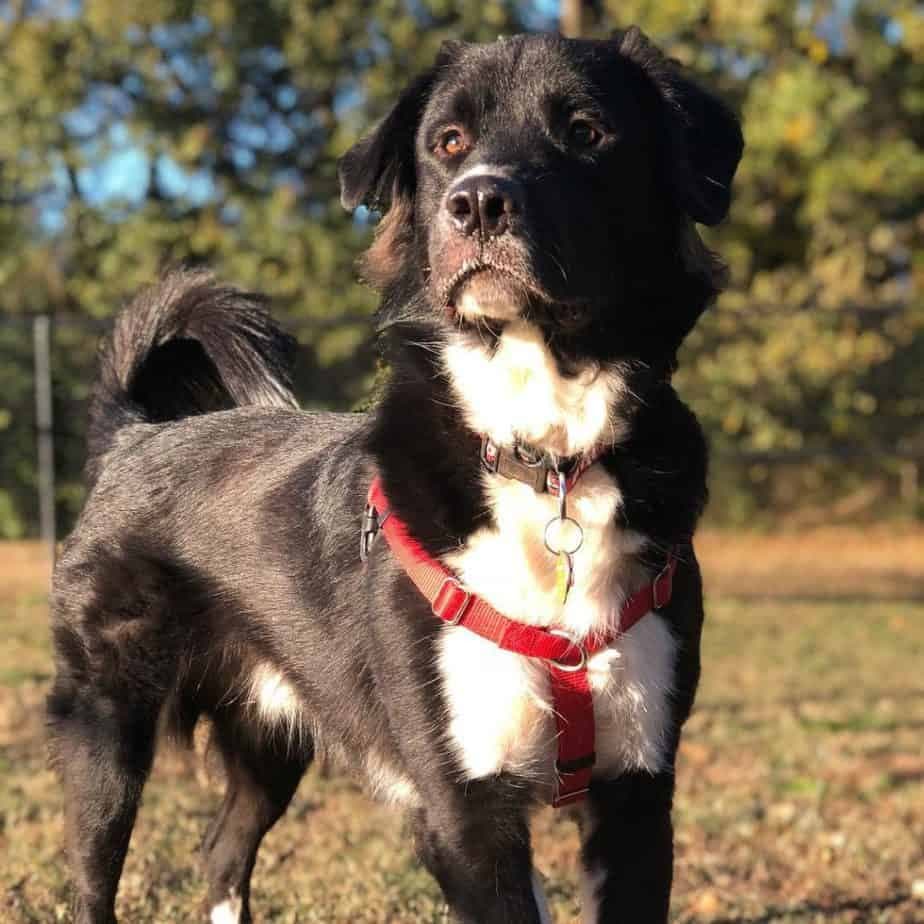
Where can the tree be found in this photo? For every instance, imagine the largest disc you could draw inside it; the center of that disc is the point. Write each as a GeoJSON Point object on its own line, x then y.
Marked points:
{"type": "Point", "coordinates": [816, 352]}
{"type": "Point", "coordinates": [208, 132]}
{"type": "Point", "coordinates": [137, 135]}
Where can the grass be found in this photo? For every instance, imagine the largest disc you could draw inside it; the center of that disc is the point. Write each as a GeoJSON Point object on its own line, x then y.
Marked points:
{"type": "Point", "coordinates": [800, 785]}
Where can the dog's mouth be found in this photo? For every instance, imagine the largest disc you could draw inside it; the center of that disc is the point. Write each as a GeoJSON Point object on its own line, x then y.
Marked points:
{"type": "Point", "coordinates": [486, 295]}
{"type": "Point", "coordinates": [485, 291]}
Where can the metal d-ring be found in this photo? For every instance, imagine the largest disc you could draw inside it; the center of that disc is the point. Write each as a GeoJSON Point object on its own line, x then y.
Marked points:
{"type": "Point", "coordinates": [563, 551]}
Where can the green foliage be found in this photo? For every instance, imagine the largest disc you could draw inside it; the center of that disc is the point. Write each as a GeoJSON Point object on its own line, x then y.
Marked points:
{"type": "Point", "coordinates": [235, 113]}
{"type": "Point", "coordinates": [256, 100]}
{"type": "Point", "coordinates": [817, 349]}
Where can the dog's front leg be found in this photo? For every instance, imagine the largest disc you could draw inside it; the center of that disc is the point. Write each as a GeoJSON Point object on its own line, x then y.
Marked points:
{"type": "Point", "coordinates": [628, 850]}
{"type": "Point", "coordinates": [478, 849]}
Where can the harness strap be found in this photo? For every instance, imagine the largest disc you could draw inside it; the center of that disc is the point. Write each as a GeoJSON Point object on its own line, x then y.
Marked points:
{"type": "Point", "coordinates": [573, 702]}
{"type": "Point", "coordinates": [455, 605]}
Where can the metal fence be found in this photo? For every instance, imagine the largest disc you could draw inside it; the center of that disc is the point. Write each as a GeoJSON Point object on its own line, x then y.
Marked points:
{"type": "Point", "coordinates": [58, 411]}
{"type": "Point", "coordinates": [53, 462]}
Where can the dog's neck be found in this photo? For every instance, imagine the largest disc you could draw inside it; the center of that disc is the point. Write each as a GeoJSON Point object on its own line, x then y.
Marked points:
{"type": "Point", "coordinates": [446, 390]}
{"type": "Point", "coordinates": [513, 390]}
{"type": "Point", "coordinates": [449, 390]}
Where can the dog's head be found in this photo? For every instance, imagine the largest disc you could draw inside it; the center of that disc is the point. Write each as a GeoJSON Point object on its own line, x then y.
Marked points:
{"type": "Point", "coordinates": [552, 179]}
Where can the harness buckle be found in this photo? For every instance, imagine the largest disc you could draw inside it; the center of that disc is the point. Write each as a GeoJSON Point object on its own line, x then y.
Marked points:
{"type": "Point", "coordinates": [368, 530]}
{"type": "Point", "coordinates": [517, 463]}
{"type": "Point", "coordinates": [447, 605]}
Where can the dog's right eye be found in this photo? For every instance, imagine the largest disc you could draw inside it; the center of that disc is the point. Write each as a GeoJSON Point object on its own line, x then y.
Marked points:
{"type": "Point", "coordinates": [583, 133]}
{"type": "Point", "coordinates": [452, 143]}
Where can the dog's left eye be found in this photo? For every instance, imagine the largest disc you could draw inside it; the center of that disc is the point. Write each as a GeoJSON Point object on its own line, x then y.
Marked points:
{"type": "Point", "coordinates": [584, 134]}
{"type": "Point", "coordinates": [452, 143]}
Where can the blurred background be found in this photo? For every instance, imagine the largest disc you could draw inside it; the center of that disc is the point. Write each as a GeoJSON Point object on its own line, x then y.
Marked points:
{"type": "Point", "coordinates": [133, 135]}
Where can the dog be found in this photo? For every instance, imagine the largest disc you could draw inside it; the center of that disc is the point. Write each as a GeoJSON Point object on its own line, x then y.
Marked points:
{"type": "Point", "coordinates": [533, 475]}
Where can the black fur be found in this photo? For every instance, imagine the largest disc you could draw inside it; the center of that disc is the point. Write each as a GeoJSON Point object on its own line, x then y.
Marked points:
{"type": "Point", "coordinates": [221, 530]}
{"type": "Point", "coordinates": [188, 346]}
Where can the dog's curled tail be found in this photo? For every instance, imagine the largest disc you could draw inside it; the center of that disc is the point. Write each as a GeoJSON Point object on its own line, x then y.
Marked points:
{"type": "Point", "coordinates": [187, 345]}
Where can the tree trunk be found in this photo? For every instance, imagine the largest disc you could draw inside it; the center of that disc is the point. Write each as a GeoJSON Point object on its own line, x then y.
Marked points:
{"type": "Point", "coordinates": [570, 19]}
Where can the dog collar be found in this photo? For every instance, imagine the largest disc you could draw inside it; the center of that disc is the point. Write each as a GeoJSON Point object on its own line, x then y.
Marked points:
{"type": "Point", "coordinates": [521, 463]}
{"type": "Point", "coordinates": [565, 657]}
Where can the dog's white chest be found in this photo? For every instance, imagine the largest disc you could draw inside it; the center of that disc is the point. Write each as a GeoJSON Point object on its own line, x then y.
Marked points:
{"type": "Point", "coordinates": [500, 711]}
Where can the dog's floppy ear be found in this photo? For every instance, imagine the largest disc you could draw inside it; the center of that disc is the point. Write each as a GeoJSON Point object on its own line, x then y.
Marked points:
{"type": "Point", "coordinates": [382, 164]}
{"type": "Point", "coordinates": [379, 171]}
{"type": "Point", "coordinates": [703, 133]}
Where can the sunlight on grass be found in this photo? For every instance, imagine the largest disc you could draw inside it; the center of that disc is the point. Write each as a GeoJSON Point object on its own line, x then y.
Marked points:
{"type": "Point", "coordinates": [801, 790]}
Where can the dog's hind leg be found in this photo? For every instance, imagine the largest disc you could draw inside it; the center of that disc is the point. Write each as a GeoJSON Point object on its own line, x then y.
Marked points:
{"type": "Point", "coordinates": [263, 773]}
{"type": "Point", "coordinates": [103, 752]}
{"type": "Point", "coordinates": [103, 710]}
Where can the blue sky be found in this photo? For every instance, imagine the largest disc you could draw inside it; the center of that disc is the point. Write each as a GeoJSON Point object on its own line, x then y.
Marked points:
{"type": "Point", "coordinates": [120, 169]}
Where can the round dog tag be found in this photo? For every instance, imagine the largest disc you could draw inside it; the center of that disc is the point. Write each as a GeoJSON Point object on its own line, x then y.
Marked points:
{"type": "Point", "coordinates": [563, 536]}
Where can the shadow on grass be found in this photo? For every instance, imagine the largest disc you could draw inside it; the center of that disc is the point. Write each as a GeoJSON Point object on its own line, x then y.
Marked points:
{"type": "Point", "coordinates": [824, 908]}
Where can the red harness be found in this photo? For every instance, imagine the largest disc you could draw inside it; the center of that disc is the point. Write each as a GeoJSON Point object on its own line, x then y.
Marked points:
{"type": "Point", "coordinates": [567, 658]}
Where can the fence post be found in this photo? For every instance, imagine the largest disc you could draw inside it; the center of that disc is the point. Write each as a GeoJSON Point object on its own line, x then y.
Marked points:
{"type": "Point", "coordinates": [908, 481]}
{"type": "Point", "coordinates": [41, 342]}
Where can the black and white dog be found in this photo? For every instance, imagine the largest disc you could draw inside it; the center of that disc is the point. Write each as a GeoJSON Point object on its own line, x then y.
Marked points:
{"type": "Point", "coordinates": [539, 268]}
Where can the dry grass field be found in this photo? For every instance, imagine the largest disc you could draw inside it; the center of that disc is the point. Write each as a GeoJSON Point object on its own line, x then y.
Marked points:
{"type": "Point", "coordinates": [801, 779]}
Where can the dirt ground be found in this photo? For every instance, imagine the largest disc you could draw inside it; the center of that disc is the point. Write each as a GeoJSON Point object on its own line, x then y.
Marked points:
{"type": "Point", "coordinates": [800, 784]}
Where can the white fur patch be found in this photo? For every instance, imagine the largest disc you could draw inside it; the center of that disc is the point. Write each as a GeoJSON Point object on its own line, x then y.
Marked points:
{"type": "Point", "coordinates": [517, 391]}
{"type": "Point", "coordinates": [469, 307]}
{"type": "Point", "coordinates": [499, 714]}
{"type": "Point", "coordinates": [388, 785]}
{"type": "Point", "coordinates": [499, 703]}
{"type": "Point", "coordinates": [275, 701]}
{"type": "Point", "coordinates": [228, 912]}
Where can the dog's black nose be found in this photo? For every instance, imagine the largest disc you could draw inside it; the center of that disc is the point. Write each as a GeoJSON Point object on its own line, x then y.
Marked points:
{"type": "Point", "coordinates": [483, 204]}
